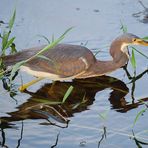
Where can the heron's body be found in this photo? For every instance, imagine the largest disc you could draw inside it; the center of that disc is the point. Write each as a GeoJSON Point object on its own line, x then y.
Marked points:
{"type": "Point", "coordinates": [62, 62]}
{"type": "Point", "coordinates": [65, 61]}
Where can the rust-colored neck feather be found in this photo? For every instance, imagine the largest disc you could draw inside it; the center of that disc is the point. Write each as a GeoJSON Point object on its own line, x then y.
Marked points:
{"type": "Point", "coordinates": [120, 57]}
{"type": "Point", "coordinates": [119, 53]}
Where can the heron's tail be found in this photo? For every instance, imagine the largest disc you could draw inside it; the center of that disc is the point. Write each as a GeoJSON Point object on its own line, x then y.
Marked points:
{"type": "Point", "coordinates": [10, 60]}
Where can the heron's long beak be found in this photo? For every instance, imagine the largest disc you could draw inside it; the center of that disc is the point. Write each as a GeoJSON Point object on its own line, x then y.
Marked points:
{"type": "Point", "coordinates": [142, 42]}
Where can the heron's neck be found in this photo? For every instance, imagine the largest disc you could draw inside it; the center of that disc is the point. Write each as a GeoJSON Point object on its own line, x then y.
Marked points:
{"type": "Point", "coordinates": [119, 52]}
{"type": "Point", "coordinates": [119, 55]}
{"type": "Point", "coordinates": [105, 67]}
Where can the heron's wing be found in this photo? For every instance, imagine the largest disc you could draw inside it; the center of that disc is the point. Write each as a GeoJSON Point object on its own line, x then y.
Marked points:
{"type": "Point", "coordinates": [64, 61]}
{"type": "Point", "coordinates": [62, 68]}
{"type": "Point", "coordinates": [25, 54]}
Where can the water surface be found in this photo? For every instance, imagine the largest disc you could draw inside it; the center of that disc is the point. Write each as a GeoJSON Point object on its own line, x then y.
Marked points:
{"type": "Point", "coordinates": [98, 107]}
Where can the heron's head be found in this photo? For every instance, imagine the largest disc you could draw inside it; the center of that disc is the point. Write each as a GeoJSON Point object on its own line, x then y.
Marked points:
{"type": "Point", "coordinates": [121, 42]}
{"type": "Point", "coordinates": [119, 45]}
{"type": "Point", "coordinates": [131, 39]}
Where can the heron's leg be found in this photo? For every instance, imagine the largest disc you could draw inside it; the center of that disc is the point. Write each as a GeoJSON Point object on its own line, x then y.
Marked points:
{"type": "Point", "coordinates": [25, 86]}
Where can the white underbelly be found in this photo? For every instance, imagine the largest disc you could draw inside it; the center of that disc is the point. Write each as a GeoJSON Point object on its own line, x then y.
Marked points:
{"type": "Point", "coordinates": [44, 74]}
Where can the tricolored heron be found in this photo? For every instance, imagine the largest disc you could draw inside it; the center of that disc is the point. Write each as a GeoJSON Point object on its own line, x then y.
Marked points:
{"type": "Point", "coordinates": [73, 61]}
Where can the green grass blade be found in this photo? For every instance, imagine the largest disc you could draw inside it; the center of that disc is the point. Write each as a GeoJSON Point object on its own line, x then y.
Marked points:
{"type": "Point", "coordinates": [133, 60]}
{"type": "Point", "coordinates": [68, 92]}
{"type": "Point", "coordinates": [44, 37]}
{"type": "Point", "coordinates": [47, 48]}
{"type": "Point", "coordinates": [44, 57]}
{"type": "Point", "coordinates": [51, 45]}
{"type": "Point", "coordinates": [138, 115]}
{"type": "Point", "coordinates": [2, 74]}
{"type": "Point", "coordinates": [15, 68]}
{"type": "Point", "coordinates": [123, 27]}
{"type": "Point", "coordinates": [69, 29]}
{"type": "Point", "coordinates": [12, 19]}
{"type": "Point", "coordinates": [13, 49]}
{"type": "Point", "coordinates": [140, 53]}
{"type": "Point", "coordinates": [5, 40]}
{"type": "Point", "coordinates": [9, 43]}
{"type": "Point", "coordinates": [49, 60]}
{"type": "Point", "coordinates": [17, 65]}
{"type": "Point", "coordinates": [145, 38]}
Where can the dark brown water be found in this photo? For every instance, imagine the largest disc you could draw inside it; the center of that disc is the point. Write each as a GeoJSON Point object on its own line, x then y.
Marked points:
{"type": "Point", "coordinates": [99, 111]}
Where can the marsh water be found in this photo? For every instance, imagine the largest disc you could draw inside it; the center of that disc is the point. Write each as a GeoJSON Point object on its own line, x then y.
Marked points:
{"type": "Point", "coordinates": [100, 112]}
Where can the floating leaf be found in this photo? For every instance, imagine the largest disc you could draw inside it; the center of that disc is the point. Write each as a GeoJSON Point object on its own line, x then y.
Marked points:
{"type": "Point", "coordinates": [68, 92]}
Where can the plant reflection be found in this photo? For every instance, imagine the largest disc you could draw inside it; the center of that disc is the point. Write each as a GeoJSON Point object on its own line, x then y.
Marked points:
{"type": "Point", "coordinates": [21, 136]}
{"type": "Point", "coordinates": [134, 79]}
{"type": "Point", "coordinates": [56, 142]}
{"type": "Point", "coordinates": [103, 136]}
{"type": "Point", "coordinates": [45, 102]}
{"type": "Point", "coordinates": [3, 136]}
{"type": "Point", "coordinates": [138, 142]}
{"type": "Point", "coordinates": [142, 15]}
{"type": "Point", "coordinates": [2, 143]}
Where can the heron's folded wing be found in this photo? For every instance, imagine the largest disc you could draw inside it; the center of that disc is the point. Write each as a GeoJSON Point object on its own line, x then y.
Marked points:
{"type": "Point", "coordinates": [63, 67]}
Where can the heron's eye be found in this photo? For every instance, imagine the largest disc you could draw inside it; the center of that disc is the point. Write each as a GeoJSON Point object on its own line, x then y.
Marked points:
{"type": "Point", "coordinates": [134, 40]}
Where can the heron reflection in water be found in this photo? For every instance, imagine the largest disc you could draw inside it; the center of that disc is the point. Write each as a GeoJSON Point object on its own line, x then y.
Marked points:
{"type": "Point", "coordinates": [43, 104]}
{"type": "Point", "coordinates": [67, 61]}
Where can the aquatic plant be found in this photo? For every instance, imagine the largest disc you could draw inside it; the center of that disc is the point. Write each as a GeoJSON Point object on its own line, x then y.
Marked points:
{"type": "Point", "coordinates": [133, 49]}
